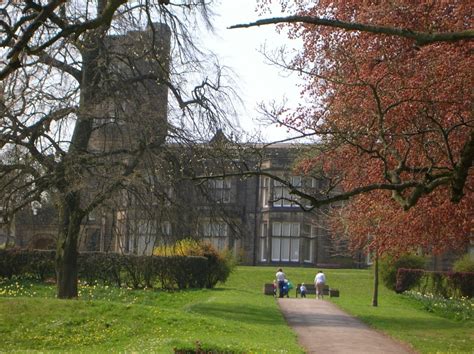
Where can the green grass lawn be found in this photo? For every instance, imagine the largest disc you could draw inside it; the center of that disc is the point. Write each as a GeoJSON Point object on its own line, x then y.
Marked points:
{"type": "Point", "coordinates": [229, 318]}
{"type": "Point", "coordinates": [233, 317]}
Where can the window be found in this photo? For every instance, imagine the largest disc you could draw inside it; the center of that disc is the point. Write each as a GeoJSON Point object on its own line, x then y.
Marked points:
{"type": "Point", "coordinates": [265, 191]}
{"type": "Point", "coordinates": [216, 233]}
{"type": "Point", "coordinates": [263, 242]}
{"type": "Point", "coordinates": [166, 228]}
{"type": "Point", "coordinates": [143, 234]}
{"type": "Point", "coordinates": [220, 190]}
{"type": "Point", "coordinates": [168, 195]}
{"type": "Point", "coordinates": [309, 244]}
{"type": "Point", "coordinates": [162, 192]}
{"type": "Point", "coordinates": [163, 236]}
{"type": "Point", "coordinates": [317, 183]}
{"type": "Point", "coordinates": [281, 194]}
{"type": "Point", "coordinates": [285, 241]}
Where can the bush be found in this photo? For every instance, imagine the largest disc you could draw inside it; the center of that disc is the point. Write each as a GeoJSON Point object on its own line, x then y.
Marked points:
{"type": "Point", "coordinates": [219, 264]}
{"type": "Point", "coordinates": [13, 262]}
{"type": "Point", "coordinates": [100, 267]}
{"type": "Point", "coordinates": [181, 271]}
{"type": "Point", "coordinates": [407, 279]}
{"type": "Point", "coordinates": [464, 264]}
{"type": "Point", "coordinates": [41, 264]}
{"type": "Point", "coordinates": [462, 282]}
{"type": "Point", "coordinates": [389, 267]}
{"type": "Point", "coordinates": [443, 284]}
{"type": "Point", "coordinates": [37, 264]}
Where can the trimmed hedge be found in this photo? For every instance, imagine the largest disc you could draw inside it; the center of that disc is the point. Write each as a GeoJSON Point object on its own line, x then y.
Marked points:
{"type": "Point", "coordinates": [408, 278]}
{"type": "Point", "coordinates": [37, 264]}
{"type": "Point", "coordinates": [219, 264]}
{"type": "Point", "coordinates": [445, 284]}
{"type": "Point", "coordinates": [116, 269]}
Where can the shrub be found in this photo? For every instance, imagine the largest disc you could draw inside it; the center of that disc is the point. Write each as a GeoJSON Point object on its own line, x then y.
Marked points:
{"type": "Point", "coordinates": [443, 284]}
{"type": "Point", "coordinates": [171, 271]}
{"type": "Point", "coordinates": [463, 282]}
{"type": "Point", "coordinates": [40, 264]}
{"type": "Point", "coordinates": [13, 262]}
{"type": "Point", "coordinates": [389, 267]}
{"type": "Point", "coordinates": [182, 247]}
{"type": "Point", "coordinates": [182, 271]}
{"type": "Point", "coordinates": [219, 264]}
{"type": "Point", "coordinates": [464, 264]}
{"type": "Point", "coordinates": [408, 278]}
{"type": "Point", "coordinates": [100, 267]}
{"type": "Point", "coordinates": [111, 268]}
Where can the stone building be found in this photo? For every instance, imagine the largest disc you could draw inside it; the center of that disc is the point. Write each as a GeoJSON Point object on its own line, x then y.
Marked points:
{"type": "Point", "coordinates": [255, 217]}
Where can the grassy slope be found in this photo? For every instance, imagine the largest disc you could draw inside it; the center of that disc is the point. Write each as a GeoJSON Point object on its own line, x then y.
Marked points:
{"type": "Point", "coordinates": [234, 316]}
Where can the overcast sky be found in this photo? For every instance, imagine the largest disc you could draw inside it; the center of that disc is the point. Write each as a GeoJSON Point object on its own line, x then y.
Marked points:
{"type": "Point", "coordinates": [239, 49]}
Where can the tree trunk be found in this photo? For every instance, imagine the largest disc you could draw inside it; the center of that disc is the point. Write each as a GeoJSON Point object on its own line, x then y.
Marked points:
{"type": "Point", "coordinates": [375, 297]}
{"type": "Point", "coordinates": [66, 252]}
{"type": "Point", "coordinates": [70, 212]}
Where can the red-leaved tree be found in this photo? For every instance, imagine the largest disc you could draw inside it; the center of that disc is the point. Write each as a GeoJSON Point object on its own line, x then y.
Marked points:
{"type": "Point", "coordinates": [391, 102]}
{"type": "Point", "coordinates": [376, 225]}
{"type": "Point", "coordinates": [388, 94]}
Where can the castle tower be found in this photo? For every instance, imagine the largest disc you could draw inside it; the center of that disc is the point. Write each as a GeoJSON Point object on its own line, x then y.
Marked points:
{"type": "Point", "coordinates": [130, 111]}
{"type": "Point", "coordinates": [134, 107]}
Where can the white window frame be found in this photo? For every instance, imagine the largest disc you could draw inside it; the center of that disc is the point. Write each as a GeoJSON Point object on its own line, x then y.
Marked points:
{"type": "Point", "coordinates": [281, 194]}
{"type": "Point", "coordinates": [265, 191]}
{"type": "Point", "coordinates": [286, 233]}
{"type": "Point", "coordinates": [220, 189]}
{"type": "Point", "coordinates": [166, 228]}
{"type": "Point", "coordinates": [216, 232]}
{"type": "Point", "coordinates": [311, 240]}
{"type": "Point", "coordinates": [263, 241]}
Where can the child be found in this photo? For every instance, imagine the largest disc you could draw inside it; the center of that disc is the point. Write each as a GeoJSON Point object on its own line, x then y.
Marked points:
{"type": "Point", "coordinates": [303, 290]}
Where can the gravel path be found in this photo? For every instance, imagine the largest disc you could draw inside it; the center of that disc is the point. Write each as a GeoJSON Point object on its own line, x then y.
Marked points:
{"type": "Point", "coordinates": [324, 328]}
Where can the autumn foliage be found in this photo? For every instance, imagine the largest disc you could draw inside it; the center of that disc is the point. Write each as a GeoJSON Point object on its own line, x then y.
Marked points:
{"type": "Point", "coordinates": [394, 119]}
{"type": "Point", "coordinates": [375, 223]}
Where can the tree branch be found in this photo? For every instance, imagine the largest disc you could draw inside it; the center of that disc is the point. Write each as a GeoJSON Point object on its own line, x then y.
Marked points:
{"type": "Point", "coordinates": [45, 58]}
{"type": "Point", "coordinates": [421, 38]}
{"type": "Point", "coordinates": [461, 170]}
{"type": "Point", "coordinates": [21, 46]}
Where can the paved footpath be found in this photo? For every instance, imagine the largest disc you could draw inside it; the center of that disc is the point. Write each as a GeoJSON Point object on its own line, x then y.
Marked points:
{"type": "Point", "coordinates": [323, 328]}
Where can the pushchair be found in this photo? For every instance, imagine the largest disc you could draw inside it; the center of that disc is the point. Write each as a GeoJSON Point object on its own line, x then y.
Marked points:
{"type": "Point", "coordinates": [286, 288]}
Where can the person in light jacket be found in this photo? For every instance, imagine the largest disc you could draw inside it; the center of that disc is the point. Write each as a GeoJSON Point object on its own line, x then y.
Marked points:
{"type": "Point", "coordinates": [280, 278]}
{"type": "Point", "coordinates": [319, 282]}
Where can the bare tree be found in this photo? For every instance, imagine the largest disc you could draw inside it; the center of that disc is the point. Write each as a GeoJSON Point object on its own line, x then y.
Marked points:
{"type": "Point", "coordinates": [84, 103]}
